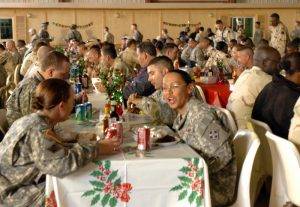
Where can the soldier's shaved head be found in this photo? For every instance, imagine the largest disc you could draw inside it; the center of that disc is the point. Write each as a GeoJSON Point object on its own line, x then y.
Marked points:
{"type": "Point", "coordinates": [43, 51]}
{"type": "Point", "coordinates": [267, 58]}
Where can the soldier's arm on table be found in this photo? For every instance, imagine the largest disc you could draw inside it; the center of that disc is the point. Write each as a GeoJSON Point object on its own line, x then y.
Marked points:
{"type": "Point", "coordinates": [54, 159]}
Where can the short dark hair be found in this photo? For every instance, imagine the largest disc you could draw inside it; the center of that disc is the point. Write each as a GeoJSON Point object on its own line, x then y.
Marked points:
{"type": "Point", "coordinates": [2, 47]}
{"type": "Point", "coordinates": [49, 93]}
{"type": "Point", "coordinates": [162, 61]}
{"type": "Point", "coordinates": [290, 63]}
{"type": "Point", "coordinates": [201, 29]}
{"type": "Point", "coordinates": [184, 75]}
{"type": "Point", "coordinates": [55, 59]}
{"type": "Point", "coordinates": [147, 47]}
{"type": "Point", "coordinates": [292, 44]}
{"type": "Point", "coordinates": [249, 50]}
{"type": "Point", "coordinates": [219, 21]}
{"type": "Point", "coordinates": [169, 46]}
{"type": "Point", "coordinates": [96, 48]}
{"type": "Point", "coordinates": [21, 43]}
{"type": "Point", "coordinates": [222, 46]}
{"type": "Point", "coordinates": [275, 15]}
{"type": "Point", "coordinates": [134, 24]}
{"type": "Point", "coordinates": [131, 42]}
{"type": "Point", "coordinates": [258, 23]}
{"type": "Point", "coordinates": [109, 49]}
{"type": "Point", "coordinates": [159, 45]}
{"type": "Point", "coordinates": [233, 41]}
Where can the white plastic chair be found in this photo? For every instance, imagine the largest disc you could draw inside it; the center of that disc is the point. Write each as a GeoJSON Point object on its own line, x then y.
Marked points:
{"type": "Point", "coordinates": [201, 93]}
{"type": "Point", "coordinates": [230, 119]}
{"type": "Point", "coordinates": [246, 144]}
{"type": "Point", "coordinates": [286, 171]}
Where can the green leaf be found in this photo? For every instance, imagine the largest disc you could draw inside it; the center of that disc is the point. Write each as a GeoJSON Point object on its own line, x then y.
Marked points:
{"type": "Point", "coordinates": [95, 199]}
{"type": "Point", "coordinates": [107, 164]}
{"type": "Point", "coordinates": [196, 162]}
{"type": "Point", "coordinates": [200, 172]}
{"type": "Point", "coordinates": [97, 184]}
{"type": "Point", "coordinates": [98, 162]}
{"type": "Point", "coordinates": [113, 202]}
{"type": "Point", "coordinates": [185, 179]}
{"type": "Point", "coordinates": [185, 170]}
{"type": "Point", "coordinates": [198, 201]}
{"type": "Point", "coordinates": [96, 173]}
{"type": "Point", "coordinates": [105, 199]}
{"type": "Point", "coordinates": [88, 193]}
{"type": "Point", "coordinates": [182, 195]}
{"type": "Point", "coordinates": [112, 175]}
{"type": "Point", "coordinates": [192, 197]}
{"type": "Point", "coordinates": [118, 181]}
{"type": "Point", "coordinates": [176, 188]}
{"type": "Point", "coordinates": [185, 184]}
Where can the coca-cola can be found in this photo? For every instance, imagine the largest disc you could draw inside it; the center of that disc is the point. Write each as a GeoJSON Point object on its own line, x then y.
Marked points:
{"type": "Point", "coordinates": [119, 126]}
{"type": "Point", "coordinates": [143, 138]}
{"type": "Point", "coordinates": [111, 133]}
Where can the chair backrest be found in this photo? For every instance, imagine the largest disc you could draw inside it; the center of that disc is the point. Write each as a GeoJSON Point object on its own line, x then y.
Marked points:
{"type": "Point", "coordinates": [246, 144]}
{"type": "Point", "coordinates": [3, 121]}
{"type": "Point", "coordinates": [230, 119]}
{"type": "Point", "coordinates": [286, 162]}
{"type": "Point", "coordinates": [201, 93]}
{"type": "Point", "coordinates": [17, 75]}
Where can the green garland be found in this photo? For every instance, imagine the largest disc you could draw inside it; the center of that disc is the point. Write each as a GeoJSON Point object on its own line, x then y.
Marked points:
{"type": "Point", "coordinates": [180, 25]}
{"type": "Point", "coordinates": [68, 26]}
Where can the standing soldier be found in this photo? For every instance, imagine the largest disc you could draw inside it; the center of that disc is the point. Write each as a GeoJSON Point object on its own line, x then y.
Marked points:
{"type": "Point", "coordinates": [279, 34]}
{"type": "Point", "coordinates": [44, 34]}
{"type": "Point", "coordinates": [74, 34]}
{"type": "Point", "coordinates": [223, 33]}
{"type": "Point", "coordinates": [258, 35]}
{"type": "Point", "coordinates": [136, 35]}
{"type": "Point", "coordinates": [108, 37]}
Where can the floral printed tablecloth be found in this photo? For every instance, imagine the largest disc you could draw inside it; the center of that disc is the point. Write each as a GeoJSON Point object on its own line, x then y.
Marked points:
{"type": "Point", "coordinates": [165, 177]}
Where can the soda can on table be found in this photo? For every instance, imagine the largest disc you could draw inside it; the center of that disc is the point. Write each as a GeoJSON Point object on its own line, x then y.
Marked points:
{"type": "Point", "coordinates": [143, 138]}
{"type": "Point", "coordinates": [88, 111]}
{"type": "Point", "coordinates": [80, 112]}
{"type": "Point", "coordinates": [119, 126]}
{"type": "Point", "coordinates": [111, 133]}
{"type": "Point", "coordinates": [78, 88]}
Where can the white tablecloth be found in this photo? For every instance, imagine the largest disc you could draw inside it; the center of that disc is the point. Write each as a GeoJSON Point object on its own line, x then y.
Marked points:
{"type": "Point", "coordinates": [165, 177]}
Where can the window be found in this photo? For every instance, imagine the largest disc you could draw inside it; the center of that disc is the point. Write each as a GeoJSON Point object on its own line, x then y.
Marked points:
{"type": "Point", "coordinates": [6, 31]}
{"type": "Point", "coordinates": [245, 22]}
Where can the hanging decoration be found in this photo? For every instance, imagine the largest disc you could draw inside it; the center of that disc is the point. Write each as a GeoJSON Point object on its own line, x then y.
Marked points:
{"type": "Point", "coordinates": [181, 25]}
{"type": "Point", "coordinates": [68, 26]}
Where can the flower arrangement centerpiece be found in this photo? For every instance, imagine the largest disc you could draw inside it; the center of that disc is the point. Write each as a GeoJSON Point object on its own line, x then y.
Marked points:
{"type": "Point", "coordinates": [77, 69]}
{"type": "Point", "coordinates": [221, 68]}
{"type": "Point", "coordinates": [113, 84]}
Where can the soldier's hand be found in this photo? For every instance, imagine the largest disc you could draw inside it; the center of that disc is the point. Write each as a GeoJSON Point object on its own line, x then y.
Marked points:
{"type": "Point", "coordinates": [134, 99]}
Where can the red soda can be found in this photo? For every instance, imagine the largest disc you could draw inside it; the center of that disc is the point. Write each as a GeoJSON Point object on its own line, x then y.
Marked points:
{"type": "Point", "coordinates": [119, 126]}
{"type": "Point", "coordinates": [143, 139]}
{"type": "Point", "coordinates": [111, 133]}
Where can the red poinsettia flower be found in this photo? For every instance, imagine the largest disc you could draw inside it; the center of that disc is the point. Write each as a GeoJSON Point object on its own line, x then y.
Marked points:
{"type": "Point", "coordinates": [125, 197]}
{"type": "Point", "coordinates": [126, 186]}
{"type": "Point", "coordinates": [101, 168]}
{"type": "Point", "coordinates": [108, 187]}
{"type": "Point", "coordinates": [50, 201]}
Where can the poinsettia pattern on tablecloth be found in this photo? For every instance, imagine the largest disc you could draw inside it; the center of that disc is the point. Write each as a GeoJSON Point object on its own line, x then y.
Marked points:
{"type": "Point", "coordinates": [191, 185]}
{"type": "Point", "coordinates": [107, 186]}
{"type": "Point", "coordinates": [51, 201]}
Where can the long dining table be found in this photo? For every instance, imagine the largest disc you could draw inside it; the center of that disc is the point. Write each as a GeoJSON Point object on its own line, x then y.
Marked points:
{"type": "Point", "coordinates": [165, 176]}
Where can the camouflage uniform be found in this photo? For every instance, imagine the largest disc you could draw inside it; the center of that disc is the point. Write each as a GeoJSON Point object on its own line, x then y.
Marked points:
{"type": "Point", "coordinates": [214, 56]}
{"type": "Point", "coordinates": [27, 154]}
{"type": "Point", "coordinates": [6, 59]}
{"type": "Point", "coordinates": [20, 102]}
{"type": "Point", "coordinates": [197, 55]}
{"type": "Point", "coordinates": [155, 106]}
{"type": "Point", "coordinates": [202, 129]}
{"type": "Point", "coordinates": [279, 37]}
{"type": "Point", "coordinates": [28, 61]}
{"type": "Point", "coordinates": [17, 59]}
{"type": "Point", "coordinates": [129, 57]}
{"type": "Point", "coordinates": [225, 35]}
{"type": "Point", "coordinates": [74, 34]}
{"type": "Point", "coordinates": [186, 53]}
{"type": "Point", "coordinates": [118, 67]}
{"type": "Point", "coordinates": [109, 37]}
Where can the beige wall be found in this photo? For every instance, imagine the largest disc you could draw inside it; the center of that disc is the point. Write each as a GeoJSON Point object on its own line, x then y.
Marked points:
{"type": "Point", "coordinates": [149, 19]}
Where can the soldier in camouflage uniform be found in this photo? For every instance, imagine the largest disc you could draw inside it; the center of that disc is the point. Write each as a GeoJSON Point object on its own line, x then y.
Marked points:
{"type": "Point", "coordinates": [54, 65]}
{"type": "Point", "coordinates": [129, 56]}
{"type": "Point", "coordinates": [186, 53]}
{"type": "Point", "coordinates": [31, 148]}
{"type": "Point", "coordinates": [197, 56]}
{"type": "Point", "coordinates": [223, 33]}
{"type": "Point", "coordinates": [279, 34]}
{"type": "Point", "coordinates": [200, 126]}
{"type": "Point", "coordinates": [11, 47]}
{"type": "Point", "coordinates": [6, 59]}
{"type": "Point", "coordinates": [108, 37]}
{"type": "Point", "coordinates": [73, 34]}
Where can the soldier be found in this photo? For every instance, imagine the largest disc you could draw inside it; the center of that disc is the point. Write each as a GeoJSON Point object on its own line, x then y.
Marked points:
{"type": "Point", "coordinates": [31, 148]}
{"type": "Point", "coordinates": [213, 56]}
{"type": "Point", "coordinates": [43, 34]}
{"type": "Point", "coordinates": [31, 58]}
{"type": "Point", "coordinates": [6, 59]}
{"type": "Point", "coordinates": [93, 64]}
{"type": "Point", "coordinates": [223, 33]}
{"type": "Point", "coordinates": [73, 34]}
{"type": "Point", "coordinates": [54, 65]}
{"type": "Point", "coordinates": [11, 47]}
{"type": "Point", "coordinates": [129, 55]}
{"type": "Point", "coordinates": [258, 35]}
{"type": "Point", "coordinates": [296, 32]}
{"type": "Point", "coordinates": [186, 53]}
{"type": "Point", "coordinates": [154, 105]}
{"type": "Point", "coordinates": [279, 34]}
{"type": "Point", "coordinates": [250, 84]}
{"type": "Point", "coordinates": [197, 56]}
{"type": "Point", "coordinates": [136, 35]}
{"type": "Point", "coordinates": [108, 37]}
{"type": "Point", "coordinates": [202, 128]}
